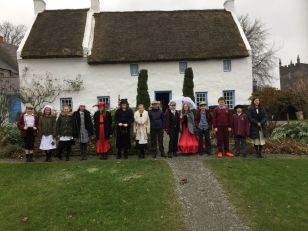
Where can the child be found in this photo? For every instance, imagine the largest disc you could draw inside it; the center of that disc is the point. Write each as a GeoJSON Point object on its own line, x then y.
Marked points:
{"type": "Point", "coordinates": [188, 143]}
{"type": "Point", "coordinates": [124, 117]}
{"type": "Point", "coordinates": [47, 131]}
{"type": "Point", "coordinates": [64, 130]}
{"type": "Point", "coordinates": [83, 129]}
{"type": "Point", "coordinates": [204, 124]}
{"type": "Point", "coordinates": [141, 129]}
{"type": "Point", "coordinates": [222, 126]}
{"type": "Point", "coordinates": [102, 125]}
{"type": "Point", "coordinates": [240, 130]}
{"type": "Point", "coordinates": [28, 126]}
{"type": "Point", "coordinates": [172, 127]}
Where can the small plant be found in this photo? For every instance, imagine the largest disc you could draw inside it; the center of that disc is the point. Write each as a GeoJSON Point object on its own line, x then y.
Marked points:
{"type": "Point", "coordinates": [297, 131]}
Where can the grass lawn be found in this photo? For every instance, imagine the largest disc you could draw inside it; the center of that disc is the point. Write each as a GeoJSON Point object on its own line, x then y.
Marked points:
{"type": "Point", "coordinates": [269, 194]}
{"type": "Point", "coordinates": [90, 195]}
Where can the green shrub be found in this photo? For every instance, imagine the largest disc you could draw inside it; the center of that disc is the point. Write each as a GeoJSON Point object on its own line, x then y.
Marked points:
{"type": "Point", "coordinates": [296, 131]}
{"type": "Point", "coordinates": [10, 134]}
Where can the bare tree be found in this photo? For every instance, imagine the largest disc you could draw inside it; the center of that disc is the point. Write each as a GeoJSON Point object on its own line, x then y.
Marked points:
{"type": "Point", "coordinates": [13, 34]}
{"type": "Point", "coordinates": [40, 90]}
{"type": "Point", "coordinates": [263, 54]}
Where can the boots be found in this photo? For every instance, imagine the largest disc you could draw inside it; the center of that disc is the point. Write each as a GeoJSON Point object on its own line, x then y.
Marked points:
{"type": "Point", "coordinates": [125, 154]}
{"type": "Point", "coordinates": [27, 158]}
{"type": "Point", "coordinates": [119, 155]}
{"type": "Point", "coordinates": [260, 152]}
{"type": "Point", "coordinates": [169, 155]}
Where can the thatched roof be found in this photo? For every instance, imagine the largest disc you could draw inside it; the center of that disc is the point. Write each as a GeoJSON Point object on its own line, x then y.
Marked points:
{"type": "Point", "coordinates": [56, 34]}
{"type": "Point", "coordinates": [165, 36]}
{"type": "Point", "coordinates": [137, 36]}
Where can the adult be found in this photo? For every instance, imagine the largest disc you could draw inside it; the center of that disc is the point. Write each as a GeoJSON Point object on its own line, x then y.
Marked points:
{"type": "Point", "coordinates": [172, 127]}
{"type": "Point", "coordinates": [124, 117]}
{"type": "Point", "coordinates": [258, 130]}
{"type": "Point", "coordinates": [83, 128]}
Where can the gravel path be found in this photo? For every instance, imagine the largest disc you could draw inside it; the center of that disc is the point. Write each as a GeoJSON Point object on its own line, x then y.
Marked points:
{"type": "Point", "coordinates": [206, 207]}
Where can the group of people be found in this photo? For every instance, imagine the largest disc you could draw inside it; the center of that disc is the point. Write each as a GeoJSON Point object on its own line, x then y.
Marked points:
{"type": "Point", "coordinates": [189, 132]}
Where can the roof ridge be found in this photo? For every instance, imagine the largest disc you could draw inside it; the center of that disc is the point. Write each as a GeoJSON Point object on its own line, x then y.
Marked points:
{"type": "Point", "coordinates": [53, 10]}
{"type": "Point", "coordinates": [162, 11]}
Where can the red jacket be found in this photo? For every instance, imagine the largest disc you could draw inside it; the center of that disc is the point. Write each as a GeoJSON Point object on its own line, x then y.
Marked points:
{"type": "Point", "coordinates": [209, 118]}
{"type": "Point", "coordinates": [222, 117]}
{"type": "Point", "coordinates": [240, 125]}
{"type": "Point", "coordinates": [21, 124]}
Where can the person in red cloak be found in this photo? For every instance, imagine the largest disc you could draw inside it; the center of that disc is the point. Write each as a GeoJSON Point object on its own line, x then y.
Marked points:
{"type": "Point", "coordinates": [102, 126]}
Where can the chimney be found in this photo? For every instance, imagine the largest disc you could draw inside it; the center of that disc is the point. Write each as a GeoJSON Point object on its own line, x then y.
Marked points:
{"type": "Point", "coordinates": [1, 39]}
{"type": "Point", "coordinates": [39, 6]}
{"type": "Point", "coordinates": [95, 6]}
{"type": "Point", "coordinates": [229, 5]}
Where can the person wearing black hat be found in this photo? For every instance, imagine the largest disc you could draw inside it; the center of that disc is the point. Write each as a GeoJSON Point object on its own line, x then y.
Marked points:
{"type": "Point", "coordinates": [203, 121]}
{"type": "Point", "coordinates": [172, 127]}
{"type": "Point", "coordinates": [124, 117]}
{"type": "Point", "coordinates": [240, 127]}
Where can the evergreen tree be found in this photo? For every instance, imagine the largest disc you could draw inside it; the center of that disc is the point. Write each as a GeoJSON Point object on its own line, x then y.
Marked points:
{"type": "Point", "coordinates": [143, 96]}
{"type": "Point", "coordinates": [188, 86]}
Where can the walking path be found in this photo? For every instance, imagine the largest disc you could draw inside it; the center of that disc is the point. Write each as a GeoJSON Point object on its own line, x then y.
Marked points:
{"type": "Point", "coordinates": [206, 207]}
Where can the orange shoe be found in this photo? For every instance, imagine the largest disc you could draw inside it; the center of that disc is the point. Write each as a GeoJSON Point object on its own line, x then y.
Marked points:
{"type": "Point", "coordinates": [219, 154]}
{"type": "Point", "coordinates": [229, 154]}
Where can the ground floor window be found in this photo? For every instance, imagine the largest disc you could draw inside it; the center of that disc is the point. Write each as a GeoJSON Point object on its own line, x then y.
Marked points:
{"type": "Point", "coordinates": [229, 98]}
{"type": "Point", "coordinates": [105, 99]}
{"type": "Point", "coordinates": [66, 102]}
{"type": "Point", "coordinates": [201, 96]}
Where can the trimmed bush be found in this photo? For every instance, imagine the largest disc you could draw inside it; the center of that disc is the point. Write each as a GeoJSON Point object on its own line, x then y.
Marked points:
{"type": "Point", "coordinates": [188, 85]}
{"type": "Point", "coordinates": [143, 96]}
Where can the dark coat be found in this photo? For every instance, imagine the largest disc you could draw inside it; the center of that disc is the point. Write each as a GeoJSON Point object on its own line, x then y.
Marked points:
{"type": "Point", "coordinates": [64, 126]}
{"type": "Point", "coordinates": [107, 124]}
{"type": "Point", "coordinates": [209, 118]}
{"type": "Point", "coordinates": [222, 117]}
{"type": "Point", "coordinates": [123, 133]}
{"type": "Point", "coordinates": [240, 125]}
{"type": "Point", "coordinates": [21, 125]}
{"type": "Point", "coordinates": [172, 121]}
{"type": "Point", "coordinates": [47, 125]}
{"type": "Point", "coordinates": [254, 118]}
{"type": "Point", "coordinates": [157, 119]}
{"type": "Point", "coordinates": [87, 120]}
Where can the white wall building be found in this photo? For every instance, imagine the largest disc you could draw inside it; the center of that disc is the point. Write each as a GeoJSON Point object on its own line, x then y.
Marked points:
{"type": "Point", "coordinates": [107, 49]}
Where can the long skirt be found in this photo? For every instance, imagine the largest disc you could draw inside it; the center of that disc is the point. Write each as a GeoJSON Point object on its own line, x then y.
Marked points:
{"type": "Point", "coordinates": [188, 143]}
{"type": "Point", "coordinates": [29, 139]}
{"type": "Point", "coordinates": [260, 140]}
{"type": "Point", "coordinates": [47, 143]}
{"type": "Point", "coordinates": [102, 144]}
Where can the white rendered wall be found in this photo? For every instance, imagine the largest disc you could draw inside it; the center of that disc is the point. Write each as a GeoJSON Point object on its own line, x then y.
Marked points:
{"type": "Point", "coordinates": [115, 79]}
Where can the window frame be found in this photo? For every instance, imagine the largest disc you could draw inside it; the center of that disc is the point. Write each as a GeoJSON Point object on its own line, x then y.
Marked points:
{"type": "Point", "coordinates": [62, 105]}
{"type": "Point", "coordinates": [206, 98]}
{"type": "Point", "coordinates": [131, 69]}
{"type": "Point", "coordinates": [233, 98]}
{"type": "Point", "coordinates": [186, 66]}
{"type": "Point", "coordinates": [225, 64]}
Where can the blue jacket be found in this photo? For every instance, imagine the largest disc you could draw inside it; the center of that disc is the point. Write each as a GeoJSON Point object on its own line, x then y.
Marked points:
{"type": "Point", "coordinates": [157, 119]}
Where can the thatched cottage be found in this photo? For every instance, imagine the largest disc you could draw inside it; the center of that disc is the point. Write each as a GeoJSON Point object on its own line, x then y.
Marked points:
{"type": "Point", "coordinates": [107, 50]}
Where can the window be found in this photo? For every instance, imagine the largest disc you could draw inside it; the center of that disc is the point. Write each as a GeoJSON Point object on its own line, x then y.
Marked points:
{"type": "Point", "coordinates": [227, 65]}
{"type": "Point", "coordinates": [105, 99]}
{"type": "Point", "coordinates": [1, 74]}
{"type": "Point", "coordinates": [182, 67]}
{"type": "Point", "coordinates": [66, 101]}
{"type": "Point", "coordinates": [134, 69]}
{"type": "Point", "coordinates": [201, 96]}
{"type": "Point", "coordinates": [229, 98]}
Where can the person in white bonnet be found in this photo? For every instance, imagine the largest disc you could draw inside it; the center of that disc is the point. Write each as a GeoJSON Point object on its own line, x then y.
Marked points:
{"type": "Point", "coordinates": [82, 128]}
{"type": "Point", "coordinates": [47, 131]}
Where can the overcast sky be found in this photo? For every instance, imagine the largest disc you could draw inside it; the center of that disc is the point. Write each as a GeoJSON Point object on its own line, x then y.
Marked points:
{"type": "Point", "coordinates": [286, 21]}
